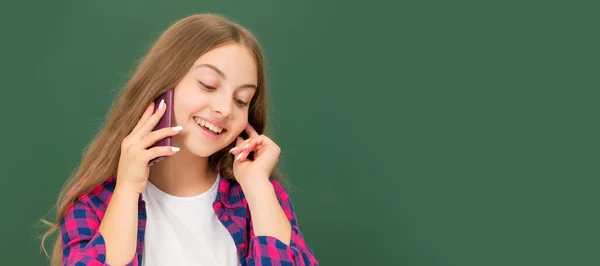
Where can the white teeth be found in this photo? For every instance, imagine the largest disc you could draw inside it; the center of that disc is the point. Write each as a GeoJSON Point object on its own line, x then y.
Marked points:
{"type": "Point", "coordinates": [208, 125]}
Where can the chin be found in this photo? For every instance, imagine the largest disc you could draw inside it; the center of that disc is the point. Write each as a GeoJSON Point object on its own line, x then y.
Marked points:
{"type": "Point", "coordinates": [203, 148]}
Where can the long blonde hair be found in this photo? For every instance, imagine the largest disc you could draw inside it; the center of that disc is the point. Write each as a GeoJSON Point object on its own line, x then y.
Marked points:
{"type": "Point", "coordinates": [167, 61]}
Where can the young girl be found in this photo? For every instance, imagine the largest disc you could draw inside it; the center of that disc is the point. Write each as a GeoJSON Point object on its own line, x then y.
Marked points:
{"type": "Point", "coordinates": [215, 199]}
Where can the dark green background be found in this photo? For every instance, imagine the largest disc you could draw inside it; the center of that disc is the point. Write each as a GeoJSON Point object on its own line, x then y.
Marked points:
{"type": "Point", "coordinates": [414, 133]}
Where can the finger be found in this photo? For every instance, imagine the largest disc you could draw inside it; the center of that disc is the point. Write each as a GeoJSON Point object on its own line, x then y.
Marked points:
{"type": "Point", "coordinates": [237, 150]}
{"type": "Point", "coordinates": [147, 113]}
{"type": "Point", "coordinates": [253, 144]}
{"type": "Point", "coordinates": [261, 141]}
{"type": "Point", "coordinates": [250, 145]}
{"type": "Point", "coordinates": [251, 131]}
{"type": "Point", "coordinates": [242, 156]}
{"type": "Point", "coordinates": [239, 144]}
{"type": "Point", "coordinates": [157, 135]}
{"type": "Point", "coordinates": [151, 122]}
{"type": "Point", "coordinates": [159, 151]}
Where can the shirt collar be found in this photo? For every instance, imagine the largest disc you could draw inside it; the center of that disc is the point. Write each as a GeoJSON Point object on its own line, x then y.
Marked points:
{"type": "Point", "coordinates": [230, 193]}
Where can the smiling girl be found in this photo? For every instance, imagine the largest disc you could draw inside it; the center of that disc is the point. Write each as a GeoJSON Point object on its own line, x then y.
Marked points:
{"type": "Point", "coordinates": [208, 202]}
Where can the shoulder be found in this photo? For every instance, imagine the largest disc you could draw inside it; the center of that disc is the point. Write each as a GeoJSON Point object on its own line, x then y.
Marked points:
{"type": "Point", "coordinates": [230, 192]}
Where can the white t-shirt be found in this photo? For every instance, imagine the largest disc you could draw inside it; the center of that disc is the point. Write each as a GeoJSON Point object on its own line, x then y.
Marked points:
{"type": "Point", "coordinates": [185, 230]}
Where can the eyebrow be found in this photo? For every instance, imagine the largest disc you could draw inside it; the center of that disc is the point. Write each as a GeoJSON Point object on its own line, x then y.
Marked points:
{"type": "Point", "coordinates": [220, 73]}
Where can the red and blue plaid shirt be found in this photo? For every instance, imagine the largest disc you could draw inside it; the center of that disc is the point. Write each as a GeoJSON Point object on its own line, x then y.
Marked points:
{"type": "Point", "coordinates": [83, 245]}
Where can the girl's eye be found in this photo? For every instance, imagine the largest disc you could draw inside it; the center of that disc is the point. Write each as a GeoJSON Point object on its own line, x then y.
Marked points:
{"type": "Point", "coordinates": [241, 103]}
{"type": "Point", "coordinates": [210, 88]}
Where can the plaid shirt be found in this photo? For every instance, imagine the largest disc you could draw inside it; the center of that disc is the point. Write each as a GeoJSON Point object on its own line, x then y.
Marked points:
{"type": "Point", "coordinates": [84, 245]}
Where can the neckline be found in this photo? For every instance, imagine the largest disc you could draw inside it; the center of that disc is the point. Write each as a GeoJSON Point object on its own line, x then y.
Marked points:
{"type": "Point", "coordinates": [212, 191]}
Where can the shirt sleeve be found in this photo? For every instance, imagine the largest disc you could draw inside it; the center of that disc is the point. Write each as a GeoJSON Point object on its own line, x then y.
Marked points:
{"type": "Point", "coordinates": [268, 250]}
{"type": "Point", "coordinates": [82, 243]}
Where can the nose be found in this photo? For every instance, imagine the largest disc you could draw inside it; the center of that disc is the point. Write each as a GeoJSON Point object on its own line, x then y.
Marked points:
{"type": "Point", "coordinates": [222, 104]}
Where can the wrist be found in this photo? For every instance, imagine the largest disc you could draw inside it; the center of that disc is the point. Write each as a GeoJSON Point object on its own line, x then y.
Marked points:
{"type": "Point", "coordinates": [127, 189]}
{"type": "Point", "coordinates": [256, 186]}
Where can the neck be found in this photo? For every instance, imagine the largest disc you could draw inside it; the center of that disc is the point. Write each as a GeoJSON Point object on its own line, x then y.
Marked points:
{"type": "Point", "coordinates": [183, 174]}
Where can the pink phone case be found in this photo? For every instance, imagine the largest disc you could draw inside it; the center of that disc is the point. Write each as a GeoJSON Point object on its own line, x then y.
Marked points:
{"type": "Point", "coordinates": [165, 121]}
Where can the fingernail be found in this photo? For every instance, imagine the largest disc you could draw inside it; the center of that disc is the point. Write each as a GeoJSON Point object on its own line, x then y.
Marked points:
{"type": "Point", "coordinates": [175, 149]}
{"type": "Point", "coordinates": [177, 128]}
{"type": "Point", "coordinates": [162, 102]}
{"type": "Point", "coordinates": [245, 146]}
{"type": "Point", "coordinates": [233, 149]}
{"type": "Point", "coordinates": [239, 156]}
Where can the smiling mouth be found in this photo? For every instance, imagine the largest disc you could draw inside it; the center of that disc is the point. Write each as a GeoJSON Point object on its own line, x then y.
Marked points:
{"type": "Point", "coordinates": [209, 126]}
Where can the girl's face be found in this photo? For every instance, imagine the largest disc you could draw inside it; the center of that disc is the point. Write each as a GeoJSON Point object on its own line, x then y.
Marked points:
{"type": "Point", "coordinates": [211, 102]}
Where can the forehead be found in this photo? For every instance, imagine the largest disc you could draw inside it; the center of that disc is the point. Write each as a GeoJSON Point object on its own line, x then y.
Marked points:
{"type": "Point", "coordinates": [236, 61]}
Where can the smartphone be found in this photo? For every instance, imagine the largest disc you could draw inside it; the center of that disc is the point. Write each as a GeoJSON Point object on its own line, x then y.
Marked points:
{"type": "Point", "coordinates": [165, 121]}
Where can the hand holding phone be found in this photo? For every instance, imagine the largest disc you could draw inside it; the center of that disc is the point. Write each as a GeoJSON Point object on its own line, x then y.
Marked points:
{"type": "Point", "coordinates": [147, 143]}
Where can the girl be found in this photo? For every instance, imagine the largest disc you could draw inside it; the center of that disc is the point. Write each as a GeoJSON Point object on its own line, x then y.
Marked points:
{"type": "Point", "coordinates": [215, 199]}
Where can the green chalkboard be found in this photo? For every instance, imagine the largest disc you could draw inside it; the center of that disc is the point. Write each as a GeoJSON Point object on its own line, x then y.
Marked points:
{"type": "Point", "coordinates": [412, 133]}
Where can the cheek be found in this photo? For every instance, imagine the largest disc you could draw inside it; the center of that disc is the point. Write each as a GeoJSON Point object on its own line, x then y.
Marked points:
{"type": "Point", "coordinates": [186, 92]}
{"type": "Point", "coordinates": [181, 109]}
{"type": "Point", "coordinates": [240, 125]}
{"type": "Point", "coordinates": [187, 101]}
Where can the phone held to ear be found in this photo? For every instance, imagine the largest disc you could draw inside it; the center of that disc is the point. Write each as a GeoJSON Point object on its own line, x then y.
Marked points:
{"type": "Point", "coordinates": [165, 121]}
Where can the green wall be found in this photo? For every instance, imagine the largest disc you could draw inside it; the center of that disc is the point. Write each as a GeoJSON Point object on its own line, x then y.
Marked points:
{"type": "Point", "coordinates": [414, 132]}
